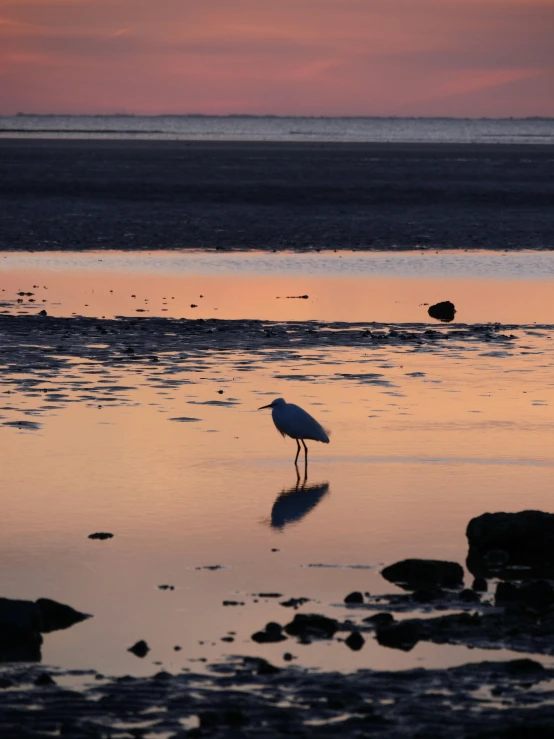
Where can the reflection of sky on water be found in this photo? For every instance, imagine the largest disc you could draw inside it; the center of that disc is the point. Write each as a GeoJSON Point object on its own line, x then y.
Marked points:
{"type": "Point", "coordinates": [422, 442]}
{"type": "Point", "coordinates": [488, 286]}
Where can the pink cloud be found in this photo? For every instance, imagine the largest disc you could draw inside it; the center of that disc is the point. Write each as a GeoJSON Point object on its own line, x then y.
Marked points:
{"type": "Point", "coordinates": [342, 57]}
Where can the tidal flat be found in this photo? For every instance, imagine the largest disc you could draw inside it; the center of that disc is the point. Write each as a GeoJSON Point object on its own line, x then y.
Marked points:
{"type": "Point", "coordinates": [115, 194]}
{"type": "Point", "coordinates": [220, 592]}
{"type": "Point", "coordinates": [144, 489]}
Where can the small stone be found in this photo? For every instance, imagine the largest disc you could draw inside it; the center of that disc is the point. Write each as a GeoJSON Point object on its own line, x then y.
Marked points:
{"type": "Point", "coordinates": [44, 680]}
{"type": "Point", "coordinates": [355, 641]}
{"type": "Point", "coordinates": [355, 597]}
{"type": "Point", "coordinates": [379, 619]}
{"type": "Point", "coordinates": [140, 649]}
{"type": "Point", "coordinates": [469, 596]}
{"type": "Point", "coordinates": [101, 534]}
{"type": "Point", "coordinates": [444, 311]}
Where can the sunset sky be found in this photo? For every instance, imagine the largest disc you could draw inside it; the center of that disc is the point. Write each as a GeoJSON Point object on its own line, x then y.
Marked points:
{"type": "Point", "coordinates": [299, 57]}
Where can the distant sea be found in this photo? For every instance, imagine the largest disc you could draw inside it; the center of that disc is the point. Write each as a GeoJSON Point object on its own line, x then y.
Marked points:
{"type": "Point", "coordinates": [276, 128]}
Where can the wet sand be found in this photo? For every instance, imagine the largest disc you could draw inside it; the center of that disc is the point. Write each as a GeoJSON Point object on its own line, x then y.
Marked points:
{"type": "Point", "coordinates": [78, 195]}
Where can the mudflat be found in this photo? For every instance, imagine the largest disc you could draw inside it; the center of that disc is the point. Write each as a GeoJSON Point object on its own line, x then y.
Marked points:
{"type": "Point", "coordinates": [114, 194]}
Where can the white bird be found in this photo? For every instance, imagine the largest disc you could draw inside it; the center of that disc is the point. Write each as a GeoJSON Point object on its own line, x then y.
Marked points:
{"type": "Point", "coordinates": [293, 421]}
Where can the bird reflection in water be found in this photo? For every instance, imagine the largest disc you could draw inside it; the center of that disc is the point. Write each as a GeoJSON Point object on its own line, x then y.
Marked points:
{"type": "Point", "coordinates": [294, 503]}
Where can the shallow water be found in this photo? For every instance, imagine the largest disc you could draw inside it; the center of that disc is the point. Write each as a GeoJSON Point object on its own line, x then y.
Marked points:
{"type": "Point", "coordinates": [422, 440]}
{"type": "Point", "coordinates": [277, 128]}
{"type": "Point", "coordinates": [388, 287]}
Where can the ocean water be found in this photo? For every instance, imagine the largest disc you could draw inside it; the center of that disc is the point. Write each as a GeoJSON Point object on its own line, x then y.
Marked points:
{"type": "Point", "coordinates": [277, 128]}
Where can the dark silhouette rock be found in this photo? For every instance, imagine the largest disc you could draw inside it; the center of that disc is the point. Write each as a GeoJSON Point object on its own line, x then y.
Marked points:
{"type": "Point", "coordinates": [403, 635]}
{"type": "Point", "coordinates": [140, 649]}
{"type": "Point", "coordinates": [428, 595]}
{"type": "Point", "coordinates": [101, 535]}
{"type": "Point", "coordinates": [506, 593]}
{"type": "Point", "coordinates": [312, 625]}
{"type": "Point", "coordinates": [266, 668]}
{"type": "Point", "coordinates": [355, 641]}
{"type": "Point", "coordinates": [44, 680]}
{"type": "Point", "coordinates": [444, 311]}
{"type": "Point", "coordinates": [355, 597]}
{"type": "Point", "coordinates": [379, 619]}
{"type": "Point", "coordinates": [412, 574]}
{"type": "Point", "coordinates": [294, 602]}
{"type": "Point", "coordinates": [469, 596]}
{"type": "Point", "coordinates": [537, 595]}
{"type": "Point", "coordinates": [273, 632]}
{"type": "Point", "coordinates": [511, 545]}
{"type": "Point", "coordinates": [480, 585]}
{"type": "Point", "coordinates": [23, 621]}
{"type": "Point", "coordinates": [54, 616]}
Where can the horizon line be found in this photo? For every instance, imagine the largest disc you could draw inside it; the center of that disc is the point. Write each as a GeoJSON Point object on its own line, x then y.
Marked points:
{"type": "Point", "coordinates": [21, 114]}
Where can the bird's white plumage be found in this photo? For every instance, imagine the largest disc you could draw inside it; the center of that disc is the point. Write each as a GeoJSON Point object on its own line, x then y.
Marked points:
{"type": "Point", "coordinates": [293, 421]}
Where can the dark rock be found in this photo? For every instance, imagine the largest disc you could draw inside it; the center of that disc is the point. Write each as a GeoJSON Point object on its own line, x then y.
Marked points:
{"type": "Point", "coordinates": [480, 585]}
{"type": "Point", "coordinates": [44, 680]}
{"type": "Point", "coordinates": [500, 544]}
{"type": "Point", "coordinates": [538, 595]}
{"type": "Point", "coordinates": [270, 595]}
{"type": "Point", "coordinates": [307, 625]}
{"type": "Point", "coordinates": [444, 311]}
{"type": "Point", "coordinates": [524, 667]}
{"type": "Point", "coordinates": [42, 312]}
{"type": "Point", "coordinates": [403, 635]}
{"type": "Point", "coordinates": [412, 574]}
{"type": "Point", "coordinates": [505, 593]}
{"type": "Point", "coordinates": [469, 596]}
{"type": "Point", "coordinates": [355, 641]}
{"type": "Point", "coordinates": [273, 632]}
{"type": "Point", "coordinates": [428, 595]}
{"type": "Point", "coordinates": [355, 597]}
{"type": "Point", "coordinates": [294, 602]}
{"type": "Point", "coordinates": [100, 535]}
{"type": "Point", "coordinates": [166, 587]}
{"type": "Point", "coordinates": [379, 619]}
{"type": "Point", "coordinates": [140, 649]}
{"type": "Point", "coordinates": [266, 668]}
{"type": "Point", "coordinates": [233, 602]}
{"type": "Point", "coordinates": [21, 614]}
{"type": "Point", "coordinates": [54, 616]}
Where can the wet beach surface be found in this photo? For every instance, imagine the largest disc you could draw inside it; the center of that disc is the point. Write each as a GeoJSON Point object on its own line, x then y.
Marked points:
{"type": "Point", "coordinates": [225, 195]}
{"type": "Point", "coordinates": [109, 426]}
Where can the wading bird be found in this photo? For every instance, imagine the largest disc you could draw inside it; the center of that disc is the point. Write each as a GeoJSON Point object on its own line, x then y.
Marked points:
{"type": "Point", "coordinates": [293, 421]}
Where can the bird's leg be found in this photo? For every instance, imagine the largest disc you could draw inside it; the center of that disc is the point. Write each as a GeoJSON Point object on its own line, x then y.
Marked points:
{"type": "Point", "coordinates": [305, 461]}
{"type": "Point", "coordinates": [297, 451]}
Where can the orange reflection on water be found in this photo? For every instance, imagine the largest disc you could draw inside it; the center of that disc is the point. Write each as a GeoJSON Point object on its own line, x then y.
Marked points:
{"type": "Point", "coordinates": [437, 438]}
{"type": "Point", "coordinates": [236, 295]}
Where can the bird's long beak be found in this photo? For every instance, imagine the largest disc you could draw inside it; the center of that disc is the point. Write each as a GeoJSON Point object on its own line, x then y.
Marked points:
{"type": "Point", "coordinates": [266, 406]}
